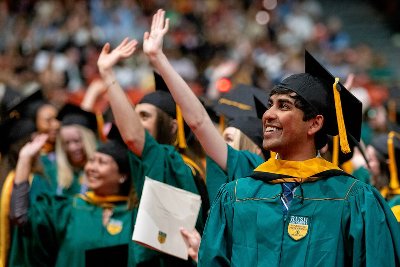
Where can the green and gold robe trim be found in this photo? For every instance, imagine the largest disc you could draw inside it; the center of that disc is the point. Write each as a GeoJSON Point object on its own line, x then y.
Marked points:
{"type": "Point", "coordinates": [106, 201]}
{"type": "Point", "coordinates": [278, 171]}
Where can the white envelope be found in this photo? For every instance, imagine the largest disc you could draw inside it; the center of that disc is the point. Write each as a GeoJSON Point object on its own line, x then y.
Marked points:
{"type": "Point", "coordinates": [163, 210]}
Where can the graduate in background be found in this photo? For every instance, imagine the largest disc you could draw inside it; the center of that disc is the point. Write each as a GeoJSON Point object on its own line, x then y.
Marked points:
{"type": "Point", "coordinates": [66, 231]}
{"type": "Point", "coordinates": [148, 157]}
{"type": "Point", "coordinates": [224, 163]}
{"type": "Point", "coordinates": [299, 209]}
{"type": "Point", "coordinates": [75, 145]}
{"type": "Point", "coordinates": [14, 133]}
{"type": "Point", "coordinates": [385, 155]}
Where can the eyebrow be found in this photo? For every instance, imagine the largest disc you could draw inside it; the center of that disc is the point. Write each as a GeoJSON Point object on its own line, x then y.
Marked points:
{"type": "Point", "coordinates": [289, 100]}
{"type": "Point", "coordinates": [144, 112]}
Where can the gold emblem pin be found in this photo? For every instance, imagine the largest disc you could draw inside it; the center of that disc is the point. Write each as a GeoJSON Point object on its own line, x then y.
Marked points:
{"type": "Point", "coordinates": [114, 227]}
{"type": "Point", "coordinates": [298, 227]}
{"type": "Point", "coordinates": [162, 237]}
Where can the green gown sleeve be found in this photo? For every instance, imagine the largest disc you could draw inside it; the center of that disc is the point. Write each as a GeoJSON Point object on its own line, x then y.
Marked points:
{"type": "Point", "coordinates": [362, 174]}
{"type": "Point", "coordinates": [162, 163]}
{"type": "Point", "coordinates": [240, 163]}
{"type": "Point", "coordinates": [216, 244]}
{"type": "Point", "coordinates": [37, 242]}
{"type": "Point", "coordinates": [373, 234]}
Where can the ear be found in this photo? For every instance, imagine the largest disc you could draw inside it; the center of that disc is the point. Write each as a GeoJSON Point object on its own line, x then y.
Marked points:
{"type": "Point", "coordinates": [315, 124]}
{"type": "Point", "coordinates": [174, 127]}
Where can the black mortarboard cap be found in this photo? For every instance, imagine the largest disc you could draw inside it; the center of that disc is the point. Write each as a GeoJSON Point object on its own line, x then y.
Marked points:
{"type": "Point", "coordinates": [71, 114]}
{"type": "Point", "coordinates": [240, 101]}
{"type": "Point", "coordinates": [107, 256]}
{"type": "Point", "coordinates": [339, 108]}
{"type": "Point", "coordinates": [250, 126]}
{"type": "Point", "coordinates": [13, 129]}
{"type": "Point", "coordinates": [9, 99]}
{"type": "Point", "coordinates": [161, 97]}
{"type": "Point", "coordinates": [28, 106]}
{"type": "Point", "coordinates": [116, 148]}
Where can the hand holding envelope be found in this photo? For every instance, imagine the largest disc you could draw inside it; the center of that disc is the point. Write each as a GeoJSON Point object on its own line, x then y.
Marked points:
{"type": "Point", "coordinates": [163, 211]}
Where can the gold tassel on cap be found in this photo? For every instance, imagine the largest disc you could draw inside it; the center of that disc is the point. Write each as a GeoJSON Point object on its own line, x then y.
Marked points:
{"type": "Point", "coordinates": [181, 130]}
{"type": "Point", "coordinates": [221, 123]}
{"type": "Point", "coordinates": [100, 127]}
{"type": "Point", "coordinates": [344, 144]}
{"type": "Point", "coordinates": [394, 181]}
{"type": "Point", "coordinates": [335, 150]}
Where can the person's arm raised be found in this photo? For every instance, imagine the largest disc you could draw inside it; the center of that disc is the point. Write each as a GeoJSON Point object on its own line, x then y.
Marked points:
{"type": "Point", "coordinates": [193, 111]}
{"type": "Point", "coordinates": [125, 116]}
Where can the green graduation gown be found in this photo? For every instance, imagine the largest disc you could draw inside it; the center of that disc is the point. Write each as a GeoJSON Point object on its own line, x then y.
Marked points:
{"type": "Point", "coordinates": [240, 163]}
{"type": "Point", "coordinates": [60, 229]}
{"type": "Point", "coordinates": [48, 182]}
{"type": "Point", "coordinates": [333, 220]}
{"type": "Point", "coordinates": [162, 163]}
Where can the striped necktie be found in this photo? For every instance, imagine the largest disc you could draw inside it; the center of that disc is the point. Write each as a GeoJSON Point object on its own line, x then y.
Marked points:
{"type": "Point", "coordinates": [287, 194]}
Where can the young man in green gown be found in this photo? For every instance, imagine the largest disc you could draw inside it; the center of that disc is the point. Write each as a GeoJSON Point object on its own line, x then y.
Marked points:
{"type": "Point", "coordinates": [298, 209]}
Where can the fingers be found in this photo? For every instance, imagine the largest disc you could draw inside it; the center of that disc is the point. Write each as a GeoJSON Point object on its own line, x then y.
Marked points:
{"type": "Point", "coordinates": [185, 233]}
{"type": "Point", "coordinates": [123, 43]}
{"type": "Point", "coordinates": [106, 48]}
{"type": "Point", "coordinates": [146, 35]}
{"type": "Point", "coordinates": [159, 21]}
{"type": "Point", "coordinates": [129, 48]}
{"type": "Point", "coordinates": [166, 26]}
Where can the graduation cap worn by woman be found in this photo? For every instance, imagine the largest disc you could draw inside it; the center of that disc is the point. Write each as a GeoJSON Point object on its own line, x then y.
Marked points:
{"type": "Point", "coordinates": [43, 114]}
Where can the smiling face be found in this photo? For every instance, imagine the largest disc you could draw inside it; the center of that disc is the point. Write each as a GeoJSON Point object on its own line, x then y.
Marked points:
{"type": "Point", "coordinates": [285, 131]}
{"type": "Point", "coordinates": [71, 140]}
{"type": "Point", "coordinates": [103, 176]}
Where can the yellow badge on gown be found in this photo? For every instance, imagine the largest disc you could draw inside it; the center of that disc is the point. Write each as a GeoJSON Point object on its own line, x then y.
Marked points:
{"type": "Point", "coordinates": [298, 227]}
{"type": "Point", "coordinates": [162, 237]}
{"type": "Point", "coordinates": [114, 226]}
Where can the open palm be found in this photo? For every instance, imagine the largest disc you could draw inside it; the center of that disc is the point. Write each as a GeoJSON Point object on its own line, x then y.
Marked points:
{"type": "Point", "coordinates": [153, 41]}
{"type": "Point", "coordinates": [33, 147]}
{"type": "Point", "coordinates": [108, 59]}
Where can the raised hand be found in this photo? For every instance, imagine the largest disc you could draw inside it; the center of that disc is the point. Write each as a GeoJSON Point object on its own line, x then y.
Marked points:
{"type": "Point", "coordinates": [32, 148]}
{"type": "Point", "coordinates": [108, 59]}
{"type": "Point", "coordinates": [153, 41]}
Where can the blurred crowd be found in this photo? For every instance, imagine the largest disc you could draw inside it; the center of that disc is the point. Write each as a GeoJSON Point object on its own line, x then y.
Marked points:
{"type": "Point", "coordinates": [53, 47]}
{"type": "Point", "coordinates": [56, 43]}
